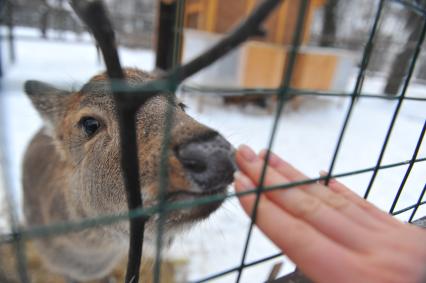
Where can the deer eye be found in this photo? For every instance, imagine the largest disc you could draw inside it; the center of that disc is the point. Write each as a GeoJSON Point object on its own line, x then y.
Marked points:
{"type": "Point", "coordinates": [89, 125]}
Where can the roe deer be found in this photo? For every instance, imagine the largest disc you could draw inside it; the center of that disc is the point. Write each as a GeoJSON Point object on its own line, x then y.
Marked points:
{"type": "Point", "coordinates": [72, 171]}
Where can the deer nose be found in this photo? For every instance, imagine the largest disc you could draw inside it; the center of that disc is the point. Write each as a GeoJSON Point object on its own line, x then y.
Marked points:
{"type": "Point", "coordinates": [209, 163]}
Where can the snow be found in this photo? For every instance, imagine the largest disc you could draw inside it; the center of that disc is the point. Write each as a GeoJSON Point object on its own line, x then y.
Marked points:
{"type": "Point", "coordinates": [306, 137]}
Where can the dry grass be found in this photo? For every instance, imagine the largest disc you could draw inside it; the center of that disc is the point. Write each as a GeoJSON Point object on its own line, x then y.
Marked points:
{"type": "Point", "coordinates": [172, 271]}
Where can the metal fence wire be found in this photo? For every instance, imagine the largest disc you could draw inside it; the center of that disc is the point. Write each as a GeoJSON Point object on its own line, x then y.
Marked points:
{"type": "Point", "coordinates": [129, 98]}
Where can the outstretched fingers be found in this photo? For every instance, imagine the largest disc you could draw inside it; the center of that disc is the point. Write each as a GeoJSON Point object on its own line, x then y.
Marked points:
{"type": "Point", "coordinates": [353, 210]}
{"type": "Point", "coordinates": [300, 241]}
{"type": "Point", "coordinates": [301, 204]}
{"type": "Point", "coordinates": [366, 206]}
{"type": "Point", "coordinates": [321, 228]}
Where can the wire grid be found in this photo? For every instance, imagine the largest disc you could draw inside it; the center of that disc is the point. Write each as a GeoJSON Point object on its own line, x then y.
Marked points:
{"type": "Point", "coordinates": [284, 93]}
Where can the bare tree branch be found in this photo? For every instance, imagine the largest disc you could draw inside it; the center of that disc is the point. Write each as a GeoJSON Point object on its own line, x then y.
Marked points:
{"type": "Point", "coordinates": [95, 17]}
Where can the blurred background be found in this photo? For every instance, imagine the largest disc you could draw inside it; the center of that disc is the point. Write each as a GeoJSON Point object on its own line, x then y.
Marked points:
{"type": "Point", "coordinates": [44, 40]}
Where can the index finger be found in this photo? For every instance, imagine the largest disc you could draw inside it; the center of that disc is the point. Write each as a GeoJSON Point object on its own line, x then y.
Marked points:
{"type": "Point", "coordinates": [312, 251]}
{"type": "Point", "coordinates": [309, 208]}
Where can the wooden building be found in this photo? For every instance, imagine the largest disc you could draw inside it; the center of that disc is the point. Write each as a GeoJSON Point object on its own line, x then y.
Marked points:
{"type": "Point", "coordinates": [219, 16]}
{"type": "Point", "coordinates": [260, 62]}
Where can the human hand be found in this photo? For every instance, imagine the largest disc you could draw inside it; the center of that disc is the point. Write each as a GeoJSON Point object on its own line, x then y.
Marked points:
{"type": "Point", "coordinates": [331, 233]}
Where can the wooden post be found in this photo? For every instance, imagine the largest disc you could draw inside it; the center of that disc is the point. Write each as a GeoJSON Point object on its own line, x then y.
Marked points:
{"type": "Point", "coordinates": [281, 25]}
{"type": "Point", "coordinates": [211, 15]}
{"type": "Point", "coordinates": [165, 34]}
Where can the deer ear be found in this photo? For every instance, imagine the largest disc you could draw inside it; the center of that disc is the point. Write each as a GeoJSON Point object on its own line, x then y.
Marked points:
{"type": "Point", "coordinates": [49, 101]}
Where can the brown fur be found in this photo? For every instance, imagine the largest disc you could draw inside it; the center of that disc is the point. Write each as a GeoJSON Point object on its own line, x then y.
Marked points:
{"type": "Point", "coordinates": [68, 176]}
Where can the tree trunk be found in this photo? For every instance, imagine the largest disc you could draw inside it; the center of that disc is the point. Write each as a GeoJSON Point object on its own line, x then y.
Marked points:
{"type": "Point", "coordinates": [328, 34]}
{"type": "Point", "coordinates": [402, 60]}
{"type": "Point", "coordinates": [44, 22]}
{"type": "Point", "coordinates": [10, 26]}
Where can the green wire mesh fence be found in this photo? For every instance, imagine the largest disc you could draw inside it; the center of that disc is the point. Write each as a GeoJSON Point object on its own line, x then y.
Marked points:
{"type": "Point", "coordinates": [130, 98]}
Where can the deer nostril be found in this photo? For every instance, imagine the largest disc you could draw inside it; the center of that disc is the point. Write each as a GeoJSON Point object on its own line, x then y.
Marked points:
{"type": "Point", "coordinates": [194, 165]}
{"type": "Point", "coordinates": [209, 163]}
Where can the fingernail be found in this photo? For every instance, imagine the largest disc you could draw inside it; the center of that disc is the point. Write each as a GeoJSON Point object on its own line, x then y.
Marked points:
{"type": "Point", "coordinates": [247, 153]}
{"type": "Point", "coordinates": [323, 173]}
{"type": "Point", "coordinates": [243, 180]}
{"type": "Point", "coordinates": [274, 160]}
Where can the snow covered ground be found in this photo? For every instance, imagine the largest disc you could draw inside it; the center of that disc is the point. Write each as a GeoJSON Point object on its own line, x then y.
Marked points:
{"type": "Point", "coordinates": [306, 138]}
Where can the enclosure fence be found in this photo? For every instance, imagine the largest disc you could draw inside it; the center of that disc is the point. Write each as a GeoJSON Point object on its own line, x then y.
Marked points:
{"type": "Point", "coordinates": [129, 99]}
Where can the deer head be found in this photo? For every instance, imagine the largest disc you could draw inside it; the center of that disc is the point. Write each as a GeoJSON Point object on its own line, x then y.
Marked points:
{"type": "Point", "coordinates": [84, 129]}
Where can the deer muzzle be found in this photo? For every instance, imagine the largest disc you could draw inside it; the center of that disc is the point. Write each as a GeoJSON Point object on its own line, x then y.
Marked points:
{"type": "Point", "coordinates": [208, 163]}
